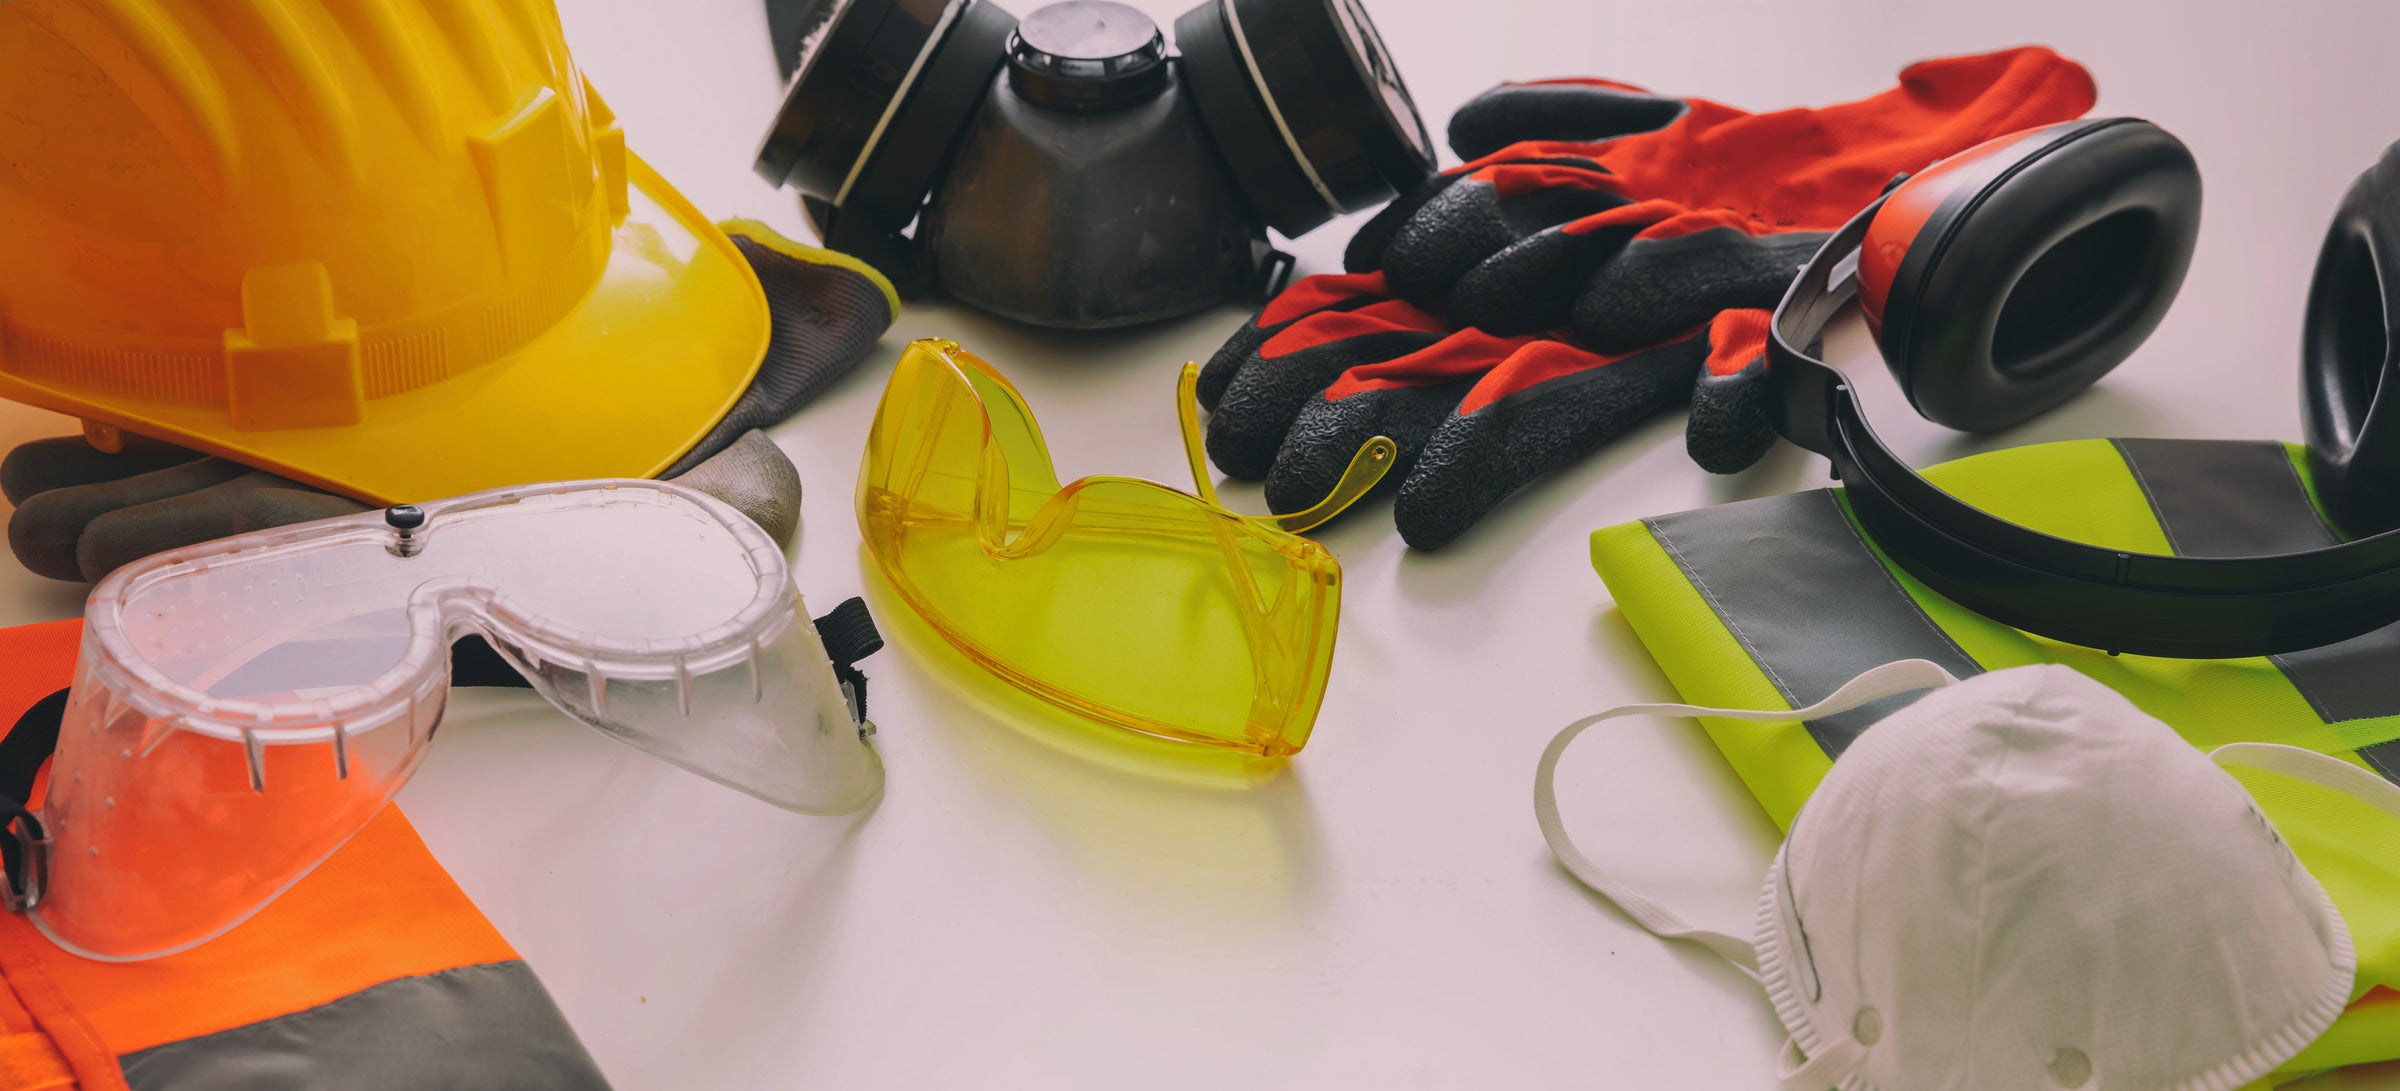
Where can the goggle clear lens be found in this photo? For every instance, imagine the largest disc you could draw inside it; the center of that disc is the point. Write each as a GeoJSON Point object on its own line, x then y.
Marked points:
{"type": "Point", "coordinates": [244, 706]}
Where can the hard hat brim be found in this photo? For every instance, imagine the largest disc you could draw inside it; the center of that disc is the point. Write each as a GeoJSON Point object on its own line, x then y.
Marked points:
{"type": "Point", "coordinates": [659, 349]}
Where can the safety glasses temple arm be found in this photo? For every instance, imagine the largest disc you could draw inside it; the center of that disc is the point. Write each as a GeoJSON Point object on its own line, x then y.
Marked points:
{"type": "Point", "coordinates": [1187, 417]}
{"type": "Point", "coordinates": [1374, 459]}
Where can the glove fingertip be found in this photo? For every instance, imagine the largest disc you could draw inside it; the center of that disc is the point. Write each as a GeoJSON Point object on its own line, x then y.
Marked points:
{"type": "Point", "coordinates": [756, 478]}
{"type": "Point", "coordinates": [117, 538]}
{"type": "Point", "coordinates": [1330, 431]}
{"type": "Point", "coordinates": [61, 462]}
{"type": "Point", "coordinates": [1444, 240]}
{"type": "Point", "coordinates": [1657, 288]}
{"type": "Point", "coordinates": [1226, 363]}
{"type": "Point", "coordinates": [137, 524]}
{"type": "Point", "coordinates": [20, 474]}
{"type": "Point", "coordinates": [1556, 110]}
{"type": "Point", "coordinates": [1730, 429]}
{"type": "Point", "coordinates": [1528, 287]}
{"type": "Point", "coordinates": [1553, 404]}
{"type": "Point", "coordinates": [43, 541]}
{"type": "Point", "coordinates": [1364, 253]}
{"type": "Point", "coordinates": [1425, 525]}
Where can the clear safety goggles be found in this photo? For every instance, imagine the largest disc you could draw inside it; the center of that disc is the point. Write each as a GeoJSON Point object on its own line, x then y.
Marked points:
{"type": "Point", "coordinates": [241, 708]}
{"type": "Point", "coordinates": [1119, 599]}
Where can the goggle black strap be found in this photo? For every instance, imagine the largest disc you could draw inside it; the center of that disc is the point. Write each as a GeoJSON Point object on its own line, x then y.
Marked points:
{"type": "Point", "coordinates": [22, 753]}
{"type": "Point", "coordinates": [849, 634]}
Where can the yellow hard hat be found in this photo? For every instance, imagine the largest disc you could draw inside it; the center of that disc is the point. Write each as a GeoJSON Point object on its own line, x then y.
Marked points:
{"type": "Point", "coordinates": [393, 248]}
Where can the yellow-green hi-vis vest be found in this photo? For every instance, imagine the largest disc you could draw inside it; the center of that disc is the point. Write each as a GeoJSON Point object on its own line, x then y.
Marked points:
{"type": "Point", "coordinates": [1782, 599]}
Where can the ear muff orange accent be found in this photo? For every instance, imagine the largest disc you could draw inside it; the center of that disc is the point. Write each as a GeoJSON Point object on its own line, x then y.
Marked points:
{"type": "Point", "coordinates": [1912, 203]}
{"type": "Point", "coordinates": [2347, 355]}
{"type": "Point", "coordinates": [2028, 267]}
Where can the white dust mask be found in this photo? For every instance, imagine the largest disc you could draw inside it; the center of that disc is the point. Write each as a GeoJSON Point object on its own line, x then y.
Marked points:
{"type": "Point", "coordinates": [2023, 881]}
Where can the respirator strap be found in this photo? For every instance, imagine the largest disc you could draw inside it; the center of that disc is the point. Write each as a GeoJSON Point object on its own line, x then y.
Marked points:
{"type": "Point", "coordinates": [2307, 765]}
{"type": "Point", "coordinates": [1903, 676]}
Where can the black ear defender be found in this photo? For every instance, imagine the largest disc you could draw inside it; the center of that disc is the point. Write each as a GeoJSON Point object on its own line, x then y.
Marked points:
{"type": "Point", "coordinates": [2347, 348]}
{"type": "Point", "coordinates": [2003, 281]}
{"type": "Point", "coordinates": [1069, 169]}
{"type": "Point", "coordinates": [2008, 278]}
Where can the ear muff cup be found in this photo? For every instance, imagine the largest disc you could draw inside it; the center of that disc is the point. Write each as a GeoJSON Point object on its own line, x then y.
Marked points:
{"type": "Point", "coordinates": [2048, 267]}
{"type": "Point", "coordinates": [2347, 355]}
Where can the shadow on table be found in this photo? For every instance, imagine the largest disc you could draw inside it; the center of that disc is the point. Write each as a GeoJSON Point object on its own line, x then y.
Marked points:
{"type": "Point", "coordinates": [1215, 828]}
{"type": "Point", "coordinates": [590, 855]}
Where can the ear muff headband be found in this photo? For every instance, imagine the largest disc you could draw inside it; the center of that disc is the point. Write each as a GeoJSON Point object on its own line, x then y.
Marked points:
{"type": "Point", "coordinates": [2148, 604]}
{"type": "Point", "coordinates": [2347, 355]}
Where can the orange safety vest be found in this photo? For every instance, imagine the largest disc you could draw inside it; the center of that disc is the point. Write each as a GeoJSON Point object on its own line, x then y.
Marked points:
{"type": "Point", "coordinates": [373, 972]}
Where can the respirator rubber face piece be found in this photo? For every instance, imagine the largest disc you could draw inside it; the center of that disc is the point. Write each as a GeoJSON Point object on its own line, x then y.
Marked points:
{"type": "Point", "coordinates": [2024, 880]}
{"type": "Point", "coordinates": [2006, 279]}
{"type": "Point", "coordinates": [242, 707]}
{"type": "Point", "coordinates": [1118, 599]}
{"type": "Point", "coordinates": [1301, 97]}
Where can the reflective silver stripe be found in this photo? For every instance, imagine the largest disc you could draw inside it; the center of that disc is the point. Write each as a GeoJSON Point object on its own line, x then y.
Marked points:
{"type": "Point", "coordinates": [1808, 633]}
{"type": "Point", "coordinates": [490, 1026]}
{"type": "Point", "coordinates": [2218, 498]}
{"type": "Point", "coordinates": [2235, 499]}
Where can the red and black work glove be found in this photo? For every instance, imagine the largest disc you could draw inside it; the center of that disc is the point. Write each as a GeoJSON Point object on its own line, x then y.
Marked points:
{"type": "Point", "coordinates": [1529, 306]}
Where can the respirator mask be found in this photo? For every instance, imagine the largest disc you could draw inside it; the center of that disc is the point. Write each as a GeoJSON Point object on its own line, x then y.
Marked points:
{"type": "Point", "coordinates": [1069, 170]}
{"type": "Point", "coordinates": [2023, 880]}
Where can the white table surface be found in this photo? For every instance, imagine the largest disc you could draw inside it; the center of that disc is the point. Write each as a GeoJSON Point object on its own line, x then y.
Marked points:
{"type": "Point", "coordinates": [1383, 912]}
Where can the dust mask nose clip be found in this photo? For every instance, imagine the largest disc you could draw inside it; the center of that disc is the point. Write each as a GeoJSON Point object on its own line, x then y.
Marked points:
{"type": "Point", "coordinates": [1996, 885]}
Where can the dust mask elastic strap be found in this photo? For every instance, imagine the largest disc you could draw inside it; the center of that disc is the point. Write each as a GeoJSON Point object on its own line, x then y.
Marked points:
{"type": "Point", "coordinates": [2322, 770]}
{"type": "Point", "coordinates": [1897, 677]}
{"type": "Point", "coordinates": [1796, 1072]}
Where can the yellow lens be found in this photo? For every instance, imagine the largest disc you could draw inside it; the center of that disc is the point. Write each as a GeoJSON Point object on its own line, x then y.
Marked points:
{"type": "Point", "coordinates": [1119, 599]}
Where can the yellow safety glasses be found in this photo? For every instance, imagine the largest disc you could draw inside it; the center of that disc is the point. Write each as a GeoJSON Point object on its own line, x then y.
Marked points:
{"type": "Point", "coordinates": [1116, 598]}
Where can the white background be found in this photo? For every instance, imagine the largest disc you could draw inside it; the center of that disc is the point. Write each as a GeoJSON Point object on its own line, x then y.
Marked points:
{"type": "Point", "coordinates": [1382, 913]}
